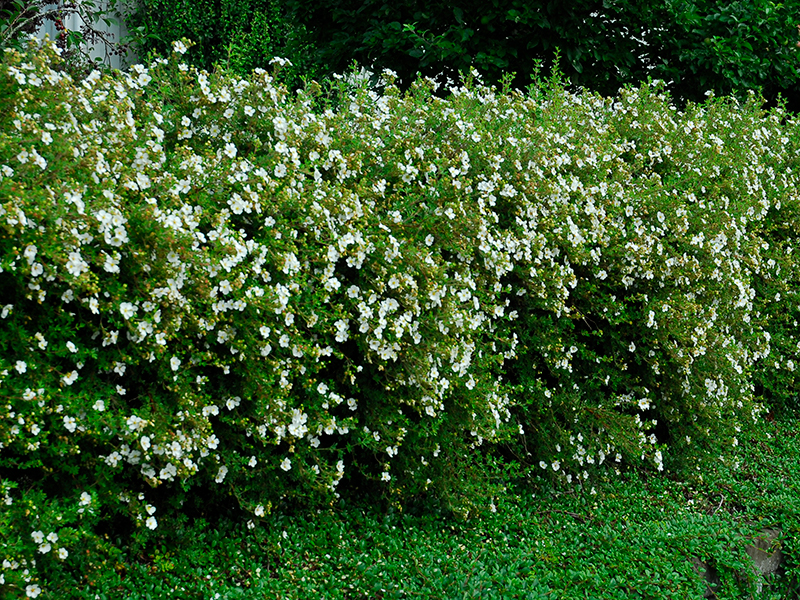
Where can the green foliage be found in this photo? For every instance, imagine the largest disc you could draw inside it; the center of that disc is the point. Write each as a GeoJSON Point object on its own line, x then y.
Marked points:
{"type": "Point", "coordinates": [629, 537]}
{"type": "Point", "coordinates": [695, 46]}
{"type": "Point", "coordinates": [218, 297]}
{"type": "Point", "coordinates": [241, 36]}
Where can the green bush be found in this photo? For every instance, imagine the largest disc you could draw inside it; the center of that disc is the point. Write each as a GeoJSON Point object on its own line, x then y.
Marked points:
{"type": "Point", "coordinates": [727, 47]}
{"type": "Point", "coordinates": [241, 36]}
{"type": "Point", "coordinates": [215, 295]}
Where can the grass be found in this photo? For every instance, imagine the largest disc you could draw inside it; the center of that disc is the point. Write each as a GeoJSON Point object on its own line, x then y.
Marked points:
{"type": "Point", "coordinates": [632, 538]}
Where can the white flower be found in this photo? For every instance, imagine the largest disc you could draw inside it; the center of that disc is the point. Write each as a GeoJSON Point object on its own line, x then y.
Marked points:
{"type": "Point", "coordinates": [341, 330]}
{"type": "Point", "coordinates": [212, 442]}
{"type": "Point", "coordinates": [71, 347]}
{"type": "Point", "coordinates": [150, 509]}
{"type": "Point", "coordinates": [174, 363]}
{"type": "Point", "coordinates": [21, 366]}
{"type": "Point", "coordinates": [45, 548]}
{"type": "Point", "coordinates": [230, 150]}
{"type": "Point", "coordinates": [145, 442]}
{"type": "Point", "coordinates": [128, 310]}
{"type": "Point", "coordinates": [38, 537]}
{"type": "Point", "coordinates": [70, 378]}
{"type": "Point", "coordinates": [286, 464]}
{"type": "Point", "coordinates": [52, 537]}
{"type": "Point", "coordinates": [70, 424]}
{"type": "Point", "coordinates": [134, 422]}
{"type": "Point", "coordinates": [113, 459]}
{"type": "Point", "coordinates": [86, 499]}
{"type": "Point", "coordinates": [151, 523]}
{"type": "Point", "coordinates": [223, 470]}
{"type": "Point", "coordinates": [42, 342]}
{"type": "Point", "coordinates": [179, 47]}
{"type": "Point", "coordinates": [30, 253]}
{"type": "Point", "coordinates": [253, 462]}
{"type": "Point", "coordinates": [385, 476]}
{"type": "Point", "coordinates": [143, 181]}
{"type": "Point", "coordinates": [259, 511]}
{"type": "Point", "coordinates": [33, 590]}
{"type": "Point", "coordinates": [76, 265]}
{"type": "Point", "coordinates": [632, 347]}
{"type": "Point", "coordinates": [62, 553]}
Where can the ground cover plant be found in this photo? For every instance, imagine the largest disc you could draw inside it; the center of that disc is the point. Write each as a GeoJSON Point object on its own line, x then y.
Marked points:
{"type": "Point", "coordinates": [218, 294]}
{"type": "Point", "coordinates": [628, 537]}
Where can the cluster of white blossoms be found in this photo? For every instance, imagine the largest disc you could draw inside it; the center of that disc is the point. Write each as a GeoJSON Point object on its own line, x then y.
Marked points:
{"type": "Point", "coordinates": [294, 280]}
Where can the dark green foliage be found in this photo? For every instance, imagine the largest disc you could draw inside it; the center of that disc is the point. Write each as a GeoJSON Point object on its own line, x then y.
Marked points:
{"type": "Point", "coordinates": [242, 35]}
{"type": "Point", "coordinates": [696, 46]}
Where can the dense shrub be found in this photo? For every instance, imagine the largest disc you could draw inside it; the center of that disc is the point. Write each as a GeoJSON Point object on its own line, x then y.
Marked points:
{"type": "Point", "coordinates": [213, 293]}
{"type": "Point", "coordinates": [241, 35]}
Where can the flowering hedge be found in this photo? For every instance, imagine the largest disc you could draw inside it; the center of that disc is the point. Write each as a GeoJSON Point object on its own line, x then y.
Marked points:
{"type": "Point", "coordinates": [212, 288]}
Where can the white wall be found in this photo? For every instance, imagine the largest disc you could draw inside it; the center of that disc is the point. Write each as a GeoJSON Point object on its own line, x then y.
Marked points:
{"type": "Point", "coordinates": [73, 22]}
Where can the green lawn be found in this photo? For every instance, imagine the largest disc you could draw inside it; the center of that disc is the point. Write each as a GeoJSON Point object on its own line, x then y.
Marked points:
{"type": "Point", "coordinates": [632, 538]}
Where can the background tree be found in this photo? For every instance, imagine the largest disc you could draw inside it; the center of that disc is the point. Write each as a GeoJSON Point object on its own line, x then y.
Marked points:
{"type": "Point", "coordinates": [240, 34]}
{"type": "Point", "coordinates": [693, 46]}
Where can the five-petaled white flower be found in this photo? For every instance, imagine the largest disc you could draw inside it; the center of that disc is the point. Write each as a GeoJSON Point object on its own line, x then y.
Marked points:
{"type": "Point", "coordinates": [286, 465]}
{"type": "Point", "coordinates": [127, 309]}
{"type": "Point", "coordinates": [175, 363]}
